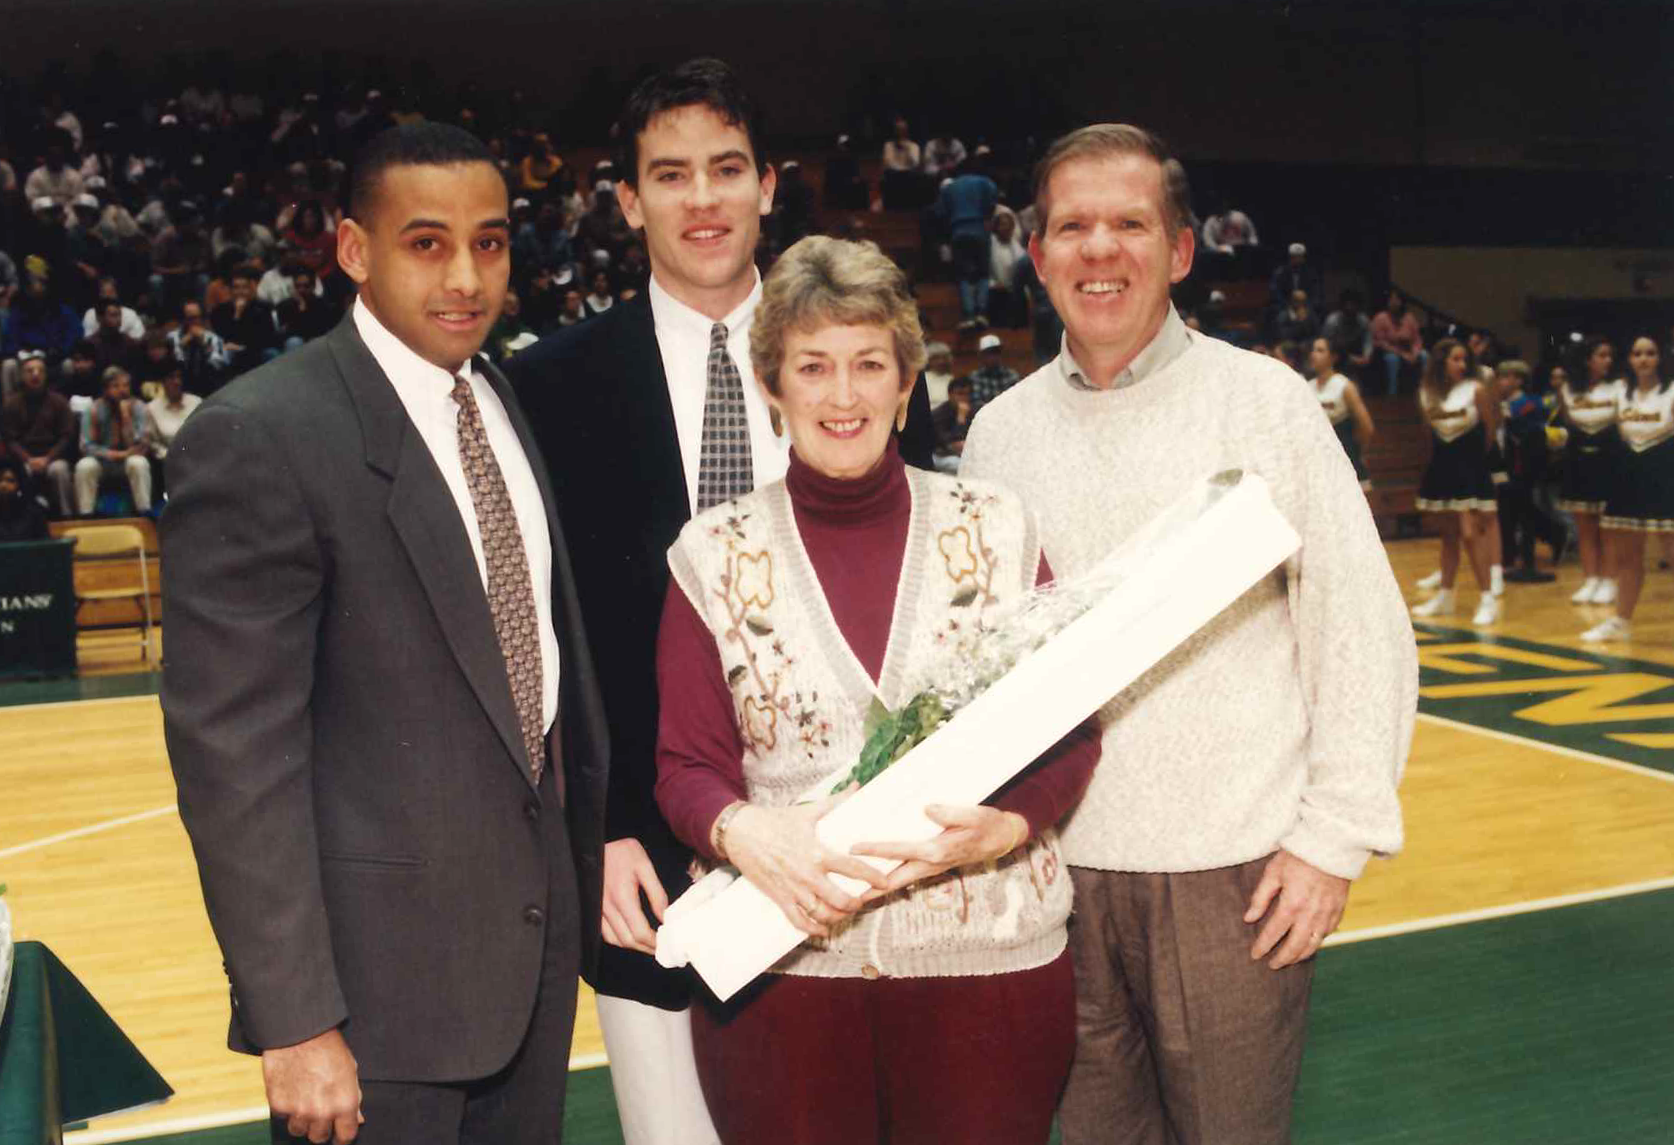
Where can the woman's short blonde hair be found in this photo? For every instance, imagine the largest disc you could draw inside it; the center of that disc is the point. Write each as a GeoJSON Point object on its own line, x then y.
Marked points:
{"type": "Point", "coordinates": [822, 281]}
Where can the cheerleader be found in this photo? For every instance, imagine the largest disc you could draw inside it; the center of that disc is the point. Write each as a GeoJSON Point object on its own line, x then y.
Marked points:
{"type": "Point", "coordinates": [1340, 399]}
{"type": "Point", "coordinates": [1590, 463]}
{"type": "Point", "coordinates": [1457, 485]}
{"type": "Point", "coordinates": [1642, 501]}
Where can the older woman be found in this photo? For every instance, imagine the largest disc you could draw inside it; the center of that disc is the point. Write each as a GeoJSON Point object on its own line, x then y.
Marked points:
{"type": "Point", "coordinates": [939, 1005]}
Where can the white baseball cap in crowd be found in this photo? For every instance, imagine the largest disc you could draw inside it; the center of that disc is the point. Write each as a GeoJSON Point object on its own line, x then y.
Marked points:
{"type": "Point", "coordinates": [1217, 296]}
{"type": "Point", "coordinates": [519, 204]}
{"type": "Point", "coordinates": [604, 187]}
{"type": "Point", "coordinates": [43, 203]}
{"type": "Point", "coordinates": [94, 183]}
{"type": "Point", "coordinates": [87, 201]}
{"type": "Point", "coordinates": [1298, 248]}
{"type": "Point", "coordinates": [989, 342]}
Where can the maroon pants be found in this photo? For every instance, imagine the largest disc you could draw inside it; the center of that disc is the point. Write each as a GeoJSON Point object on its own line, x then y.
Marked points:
{"type": "Point", "coordinates": [907, 1061]}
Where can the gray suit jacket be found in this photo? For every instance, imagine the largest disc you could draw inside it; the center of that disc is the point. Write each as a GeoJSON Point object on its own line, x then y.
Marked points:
{"type": "Point", "coordinates": [372, 850]}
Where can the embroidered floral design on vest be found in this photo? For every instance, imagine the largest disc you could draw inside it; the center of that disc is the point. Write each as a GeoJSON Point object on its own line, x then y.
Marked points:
{"type": "Point", "coordinates": [747, 591]}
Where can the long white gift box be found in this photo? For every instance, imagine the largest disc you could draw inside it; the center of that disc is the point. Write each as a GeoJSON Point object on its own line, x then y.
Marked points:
{"type": "Point", "coordinates": [1172, 577]}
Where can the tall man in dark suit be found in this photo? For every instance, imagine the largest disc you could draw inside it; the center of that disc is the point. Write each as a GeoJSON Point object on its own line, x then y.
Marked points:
{"type": "Point", "coordinates": [630, 410]}
{"type": "Point", "coordinates": [372, 633]}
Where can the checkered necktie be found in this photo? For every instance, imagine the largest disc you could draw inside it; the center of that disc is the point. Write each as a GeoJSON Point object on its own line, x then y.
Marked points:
{"type": "Point", "coordinates": [511, 598]}
{"type": "Point", "coordinates": [724, 470]}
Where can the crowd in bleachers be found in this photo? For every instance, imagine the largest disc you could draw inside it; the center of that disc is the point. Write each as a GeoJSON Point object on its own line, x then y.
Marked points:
{"type": "Point", "coordinates": [149, 253]}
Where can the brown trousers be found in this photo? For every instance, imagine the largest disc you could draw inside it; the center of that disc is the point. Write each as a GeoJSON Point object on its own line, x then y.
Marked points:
{"type": "Point", "coordinates": [1181, 1039]}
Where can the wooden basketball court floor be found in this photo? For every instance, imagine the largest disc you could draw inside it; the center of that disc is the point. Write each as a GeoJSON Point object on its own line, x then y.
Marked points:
{"type": "Point", "coordinates": [1540, 788]}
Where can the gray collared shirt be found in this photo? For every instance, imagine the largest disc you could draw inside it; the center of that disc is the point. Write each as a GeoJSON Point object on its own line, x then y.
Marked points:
{"type": "Point", "coordinates": [1171, 341]}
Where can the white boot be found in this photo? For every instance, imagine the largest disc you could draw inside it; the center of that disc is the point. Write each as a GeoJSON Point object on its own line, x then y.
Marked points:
{"type": "Point", "coordinates": [1605, 593]}
{"type": "Point", "coordinates": [1584, 594]}
{"type": "Point", "coordinates": [1439, 605]}
{"type": "Point", "coordinates": [1488, 611]}
{"type": "Point", "coordinates": [1496, 580]}
{"type": "Point", "coordinates": [1431, 582]}
{"type": "Point", "coordinates": [1615, 628]}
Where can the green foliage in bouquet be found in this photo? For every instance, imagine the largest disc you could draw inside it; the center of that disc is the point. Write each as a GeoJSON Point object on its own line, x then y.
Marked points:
{"type": "Point", "coordinates": [891, 735]}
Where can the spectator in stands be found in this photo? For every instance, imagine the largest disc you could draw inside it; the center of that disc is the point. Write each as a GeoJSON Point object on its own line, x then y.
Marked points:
{"type": "Point", "coordinates": [199, 350]}
{"type": "Point", "coordinates": [21, 518]}
{"type": "Point", "coordinates": [156, 359]}
{"type": "Point", "coordinates": [966, 203]}
{"type": "Point", "coordinates": [1211, 319]}
{"type": "Point", "coordinates": [943, 156]}
{"type": "Point", "coordinates": [952, 421]}
{"type": "Point", "coordinates": [1350, 334]}
{"type": "Point", "coordinates": [8, 280]}
{"type": "Point", "coordinates": [81, 372]}
{"type": "Point", "coordinates": [308, 242]}
{"type": "Point", "coordinates": [902, 183]}
{"type": "Point", "coordinates": [509, 328]}
{"type": "Point", "coordinates": [306, 315]}
{"type": "Point", "coordinates": [575, 308]}
{"type": "Point", "coordinates": [845, 188]}
{"type": "Point", "coordinates": [242, 233]}
{"type": "Point", "coordinates": [542, 299]}
{"type": "Point", "coordinates": [39, 321]}
{"type": "Point", "coordinates": [793, 205]}
{"type": "Point", "coordinates": [938, 372]}
{"type": "Point", "coordinates": [165, 414]}
{"type": "Point", "coordinates": [1297, 322]}
{"type": "Point", "coordinates": [993, 377]}
{"type": "Point", "coordinates": [1396, 334]}
{"type": "Point", "coordinates": [181, 259]}
{"type": "Point", "coordinates": [87, 256]}
{"type": "Point", "coordinates": [1043, 317]}
{"type": "Point", "coordinates": [114, 444]}
{"type": "Point", "coordinates": [245, 325]}
{"type": "Point", "coordinates": [1006, 252]}
{"type": "Point", "coordinates": [1293, 275]}
{"type": "Point", "coordinates": [602, 296]}
{"type": "Point", "coordinates": [540, 167]}
{"type": "Point", "coordinates": [43, 234]}
{"type": "Point", "coordinates": [1523, 520]}
{"type": "Point", "coordinates": [602, 228]}
{"type": "Point", "coordinates": [92, 321]}
{"type": "Point", "coordinates": [39, 432]}
{"type": "Point", "coordinates": [1229, 232]}
{"type": "Point", "coordinates": [542, 242]}
{"type": "Point", "coordinates": [109, 342]}
{"type": "Point", "coordinates": [275, 284]}
{"type": "Point", "coordinates": [1290, 353]}
{"type": "Point", "coordinates": [55, 178]}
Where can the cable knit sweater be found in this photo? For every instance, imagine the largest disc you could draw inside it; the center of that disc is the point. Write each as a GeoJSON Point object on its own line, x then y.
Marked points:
{"type": "Point", "coordinates": [1286, 721]}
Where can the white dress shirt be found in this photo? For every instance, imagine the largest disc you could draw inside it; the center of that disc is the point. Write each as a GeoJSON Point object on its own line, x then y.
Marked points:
{"type": "Point", "coordinates": [426, 391]}
{"type": "Point", "coordinates": [683, 339]}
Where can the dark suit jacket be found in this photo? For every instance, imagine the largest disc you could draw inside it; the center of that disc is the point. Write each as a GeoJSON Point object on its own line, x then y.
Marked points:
{"type": "Point", "coordinates": [372, 850]}
{"type": "Point", "coordinates": [597, 399]}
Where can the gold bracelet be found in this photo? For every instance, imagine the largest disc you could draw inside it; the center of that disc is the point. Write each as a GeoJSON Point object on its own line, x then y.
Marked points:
{"type": "Point", "coordinates": [718, 833]}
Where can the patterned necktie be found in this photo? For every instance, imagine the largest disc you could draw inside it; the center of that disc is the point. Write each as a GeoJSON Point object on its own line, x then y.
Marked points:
{"type": "Point", "coordinates": [724, 469]}
{"type": "Point", "coordinates": [511, 598]}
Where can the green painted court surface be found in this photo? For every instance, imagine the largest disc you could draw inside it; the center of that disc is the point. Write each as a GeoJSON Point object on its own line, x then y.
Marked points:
{"type": "Point", "coordinates": [1541, 1029]}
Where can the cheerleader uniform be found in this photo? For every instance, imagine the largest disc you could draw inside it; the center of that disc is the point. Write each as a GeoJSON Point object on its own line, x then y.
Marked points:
{"type": "Point", "coordinates": [1333, 399]}
{"type": "Point", "coordinates": [1643, 498]}
{"type": "Point", "coordinates": [1457, 477]}
{"type": "Point", "coordinates": [1594, 452]}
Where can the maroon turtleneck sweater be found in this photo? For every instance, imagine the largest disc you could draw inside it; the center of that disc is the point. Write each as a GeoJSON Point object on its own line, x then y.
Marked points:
{"type": "Point", "coordinates": [855, 532]}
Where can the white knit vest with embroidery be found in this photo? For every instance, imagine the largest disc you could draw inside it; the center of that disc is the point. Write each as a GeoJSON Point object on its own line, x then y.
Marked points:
{"type": "Point", "coordinates": [800, 696]}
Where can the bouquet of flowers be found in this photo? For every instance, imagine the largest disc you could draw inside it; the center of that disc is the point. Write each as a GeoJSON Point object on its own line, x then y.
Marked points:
{"type": "Point", "coordinates": [999, 699]}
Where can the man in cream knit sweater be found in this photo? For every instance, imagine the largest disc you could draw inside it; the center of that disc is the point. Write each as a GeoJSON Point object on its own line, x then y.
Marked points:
{"type": "Point", "coordinates": [1247, 779]}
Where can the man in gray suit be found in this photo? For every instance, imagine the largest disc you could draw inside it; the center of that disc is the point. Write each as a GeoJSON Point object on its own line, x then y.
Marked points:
{"type": "Point", "coordinates": [372, 634]}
